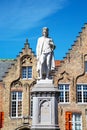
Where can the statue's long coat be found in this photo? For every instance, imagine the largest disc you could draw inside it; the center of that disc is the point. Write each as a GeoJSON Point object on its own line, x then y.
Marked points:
{"type": "Point", "coordinates": [39, 50]}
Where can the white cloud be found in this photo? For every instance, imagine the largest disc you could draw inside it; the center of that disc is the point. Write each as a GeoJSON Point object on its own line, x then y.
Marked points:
{"type": "Point", "coordinates": [22, 14]}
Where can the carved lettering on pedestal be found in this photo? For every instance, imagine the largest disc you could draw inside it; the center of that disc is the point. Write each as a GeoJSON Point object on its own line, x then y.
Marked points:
{"type": "Point", "coordinates": [45, 112]}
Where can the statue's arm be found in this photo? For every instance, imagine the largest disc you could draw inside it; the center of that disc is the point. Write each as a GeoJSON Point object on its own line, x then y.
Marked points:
{"type": "Point", "coordinates": [52, 45]}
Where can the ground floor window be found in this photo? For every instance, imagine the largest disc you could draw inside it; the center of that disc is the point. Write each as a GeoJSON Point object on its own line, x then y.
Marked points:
{"type": "Point", "coordinates": [73, 121]}
{"type": "Point", "coordinates": [16, 104]}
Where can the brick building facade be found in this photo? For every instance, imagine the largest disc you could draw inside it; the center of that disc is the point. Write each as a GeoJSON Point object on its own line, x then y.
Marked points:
{"type": "Point", "coordinates": [17, 78]}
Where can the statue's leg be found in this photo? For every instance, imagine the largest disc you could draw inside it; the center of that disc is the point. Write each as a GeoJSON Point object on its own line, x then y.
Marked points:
{"type": "Point", "coordinates": [48, 64]}
{"type": "Point", "coordinates": [41, 65]}
{"type": "Point", "coordinates": [41, 71]}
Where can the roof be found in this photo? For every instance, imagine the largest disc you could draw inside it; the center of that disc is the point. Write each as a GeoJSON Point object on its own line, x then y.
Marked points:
{"type": "Point", "coordinates": [4, 66]}
{"type": "Point", "coordinates": [58, 63]}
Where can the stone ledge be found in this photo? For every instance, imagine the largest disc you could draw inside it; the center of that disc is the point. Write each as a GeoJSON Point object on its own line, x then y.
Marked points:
{"type": "Point", "coordinates": [45, 127]}
{"type": "Point", "coordinates": [45, 81]}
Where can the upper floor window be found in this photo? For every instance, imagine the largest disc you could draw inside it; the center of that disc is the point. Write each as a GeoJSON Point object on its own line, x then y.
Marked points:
{"type": "Point", "coordinates": [16, 104]}
{"type": "Point", "coordinates": [85, 66]}
{"type": "Point", "coordinates": [27, 72]}
{"type": "Point", "coordinates": [64, 93]}
{"type": "Point", "coordinates": [82, 93]}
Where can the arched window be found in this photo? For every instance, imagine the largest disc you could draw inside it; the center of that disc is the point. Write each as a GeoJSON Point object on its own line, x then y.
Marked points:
{"type": "Point", "coordinates": [16, 99]}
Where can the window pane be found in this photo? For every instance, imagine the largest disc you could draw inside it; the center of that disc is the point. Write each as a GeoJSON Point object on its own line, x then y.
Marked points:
{"type": "Point", "coordinates": [79, 87]}
{"type": "Point", "coordinates": [77, 126]}
{"type": "Point", "coordinates": [84, 87]}
{"type": "Point", "coordinates": [77, 117]}
{"type": "Point", "coordinates": [19, 108]}
{"type": "Point", "coordinates": [60, 87]}
{"type": "Point", "coordinates": [85, 96]}
{"type": "Point", "coordinates": [24, 72]}
{"type": "Point", "coordinates": [19, 95]}
{"type": "Point", "coordinates": [13, 95]}
{"type": "Point", "coordinates": [79, 96]}
{"type": "Point", "coordinates": [29, 72]}
{"type": "Point", "coordinates": [66, 87]}
{"type": "Point", "coordinates": [14, 108]}
{"type": "Point", "coordinates": [61, 97]}
{"type": "Point", "coordinates": [66, 96]}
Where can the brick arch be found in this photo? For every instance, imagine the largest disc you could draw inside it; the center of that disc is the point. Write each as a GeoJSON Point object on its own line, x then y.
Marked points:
{"type": "Point", "coordinates": [23, 128]}
{"type": "Point", "coordinates": [65, 77]}
{"type": "Point", "coordinates": [26, 59]}
{"type": "Point", "coordinates": [16, 86]}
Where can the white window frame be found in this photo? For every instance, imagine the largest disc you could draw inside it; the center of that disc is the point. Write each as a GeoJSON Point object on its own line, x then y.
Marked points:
{"type": "Point", "coordinates": [31, 105]}
{"type": "Point", "coordinates": [16, 100]}
{"type": "Point", "coordinates": [63, 90]}
{"type": "Point", "coordinates": [85, 67]}
{"type": "Point", "coordinates": [74, 122]}
{"type": "Point", "coordinates": [82, 91]}
{"type": "Point", "coordinates": [26, 67]}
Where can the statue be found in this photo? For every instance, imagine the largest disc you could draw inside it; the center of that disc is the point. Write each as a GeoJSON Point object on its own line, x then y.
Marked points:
{"type": "Point", "coordinates": [45, 54]}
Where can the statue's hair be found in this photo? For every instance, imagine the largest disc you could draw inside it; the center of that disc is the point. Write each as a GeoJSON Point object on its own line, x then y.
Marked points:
{"type": "Point", "coordinates": [45, 28]}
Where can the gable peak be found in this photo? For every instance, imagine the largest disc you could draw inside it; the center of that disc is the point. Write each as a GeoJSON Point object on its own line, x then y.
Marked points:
{"type": "Point", "coordinates": [26, 44]}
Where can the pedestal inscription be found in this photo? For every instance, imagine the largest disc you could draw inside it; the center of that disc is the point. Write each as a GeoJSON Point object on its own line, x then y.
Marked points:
{"type": "Point", "coordinates": [45, 111]}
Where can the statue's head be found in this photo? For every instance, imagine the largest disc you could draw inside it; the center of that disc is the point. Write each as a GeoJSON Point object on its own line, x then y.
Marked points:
{"type": "Point", "coordinates": [45, 31]}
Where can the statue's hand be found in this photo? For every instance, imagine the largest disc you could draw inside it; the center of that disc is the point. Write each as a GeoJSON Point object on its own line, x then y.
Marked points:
{"type": "Point", "coordinates": [52, 46]}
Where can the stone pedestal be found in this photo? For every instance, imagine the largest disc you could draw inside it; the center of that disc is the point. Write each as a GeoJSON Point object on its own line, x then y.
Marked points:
{"type": "Point", "coordinates": [45, 106]}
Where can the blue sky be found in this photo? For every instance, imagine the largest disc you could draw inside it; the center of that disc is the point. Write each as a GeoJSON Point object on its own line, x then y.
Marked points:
{"type": "Point", "coordinates": [21, 19]}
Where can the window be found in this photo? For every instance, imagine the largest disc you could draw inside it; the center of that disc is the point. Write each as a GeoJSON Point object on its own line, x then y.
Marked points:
{"type": "Point", "coordinates": [82, 93]}
{"type": "Point", "coordinates": [31, 106]}
{"type": "Point", "coordinates": [76, 121]}
{"type": "Point", "coordinates": [1, 119]}
{"type": "Point", "coordinates": [73, 121]}
{"type": "Point", "coordinates": [16, 104]}
{"type": "Point", "coordinates": [27, 72]}
{"type": "Point", "coordinates": [85, 66]}
{"type": "Point", "coordinates": [64, 93]}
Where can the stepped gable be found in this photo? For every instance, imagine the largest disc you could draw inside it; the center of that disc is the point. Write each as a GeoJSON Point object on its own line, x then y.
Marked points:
{"type": "Point", "coordinates": [78, 46]}
{"type": "Point", "coordinates": [5, 65]}
{"type": "Point", "coordinates": [24, 57]}
{"type": "Point", "coordinates": [73, 62]}
{"type": "Point", "coordinates": [26, 50]}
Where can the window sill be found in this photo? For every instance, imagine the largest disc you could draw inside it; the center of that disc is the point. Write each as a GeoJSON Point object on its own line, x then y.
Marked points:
{"type": "Point", "coordinates": [64, 103]}
{"type": "Point", "coordinates": [16, 117]}
{"type": "Point", "coordinates": [82, 103]}
{"type": "Point", "coordinates": [26, 78]}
